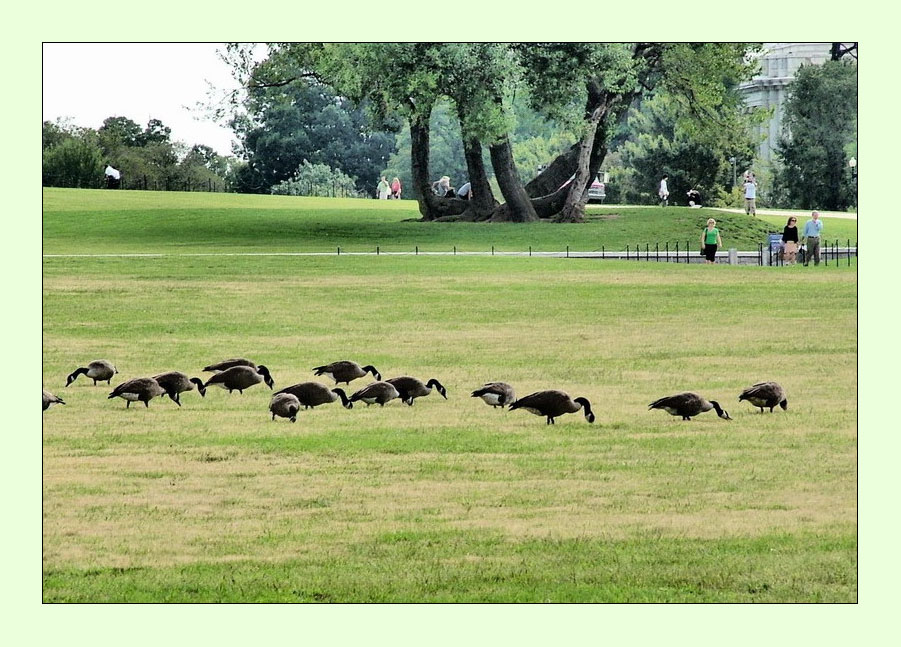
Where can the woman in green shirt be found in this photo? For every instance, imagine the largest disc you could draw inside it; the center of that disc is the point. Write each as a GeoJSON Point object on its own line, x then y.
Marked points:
{"type": "Point", "coordinates": [710, 239]}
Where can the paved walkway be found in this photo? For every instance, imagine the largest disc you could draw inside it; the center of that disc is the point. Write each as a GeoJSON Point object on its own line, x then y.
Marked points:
{"type": "Point", "coordinates": [799, 214]}
{"type": "Point", "coordinates": [762, 212]}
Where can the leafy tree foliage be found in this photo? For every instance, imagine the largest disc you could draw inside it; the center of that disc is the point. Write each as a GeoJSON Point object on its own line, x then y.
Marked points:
{"type": "Point", "coordinates": [316, 180]}
{"type": "Point", "coordinates": [304, 120]}
{"type": "Point", "coordinates": [585, 88]}
{"type": "Point", "coordinates": [820, 136]}
{"type": "Point", "coordinates": [74, 162]}
{"type": "Point", "coordinates": [665, 138]}
{"type": "Point", "coordinates": [75, 157]}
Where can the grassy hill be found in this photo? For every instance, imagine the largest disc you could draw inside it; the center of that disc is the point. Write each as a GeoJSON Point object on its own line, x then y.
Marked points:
{"type": "Point", "coordinates": [447, 500]}
{"type": "Point", "coordinates": [96, 221]}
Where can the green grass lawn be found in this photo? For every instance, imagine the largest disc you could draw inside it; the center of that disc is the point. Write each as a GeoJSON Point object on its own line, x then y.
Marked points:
{"type": "Point", "coordinates": [446, 500]}
{"type": "Point", "coordinates": [103, 222]}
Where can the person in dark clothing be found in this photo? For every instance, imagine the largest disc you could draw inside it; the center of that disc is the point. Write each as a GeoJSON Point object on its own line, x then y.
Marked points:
{"type": "Point", "coordinates": [790, 240]}
{"type": "Point", "coordinates": [694, 198]}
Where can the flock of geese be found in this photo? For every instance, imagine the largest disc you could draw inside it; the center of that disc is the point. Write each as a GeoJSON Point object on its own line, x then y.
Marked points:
{"type": "Point", "coordinates": [240, 374]}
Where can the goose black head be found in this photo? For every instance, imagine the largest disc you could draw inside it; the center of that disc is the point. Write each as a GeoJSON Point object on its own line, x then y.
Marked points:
{"type": "Point", "coordinates": [347, 404]}
{"type": "Point", "coordinates": [589, 414]}
{"type": "Point", "coordinates": [375, 373]}
{"type": "Point", "coordinates": [433, 383]}
{"type": "Point", "coordinates": [722, 413]}
{"type": "Point", "coordinates": [200, 387]}
{"type": "Point", "coordinates": [267, 377]}
{"type": "Point", "coordinates": [74, 374]}
{"type": "Point", "coordinates": [784, 405]}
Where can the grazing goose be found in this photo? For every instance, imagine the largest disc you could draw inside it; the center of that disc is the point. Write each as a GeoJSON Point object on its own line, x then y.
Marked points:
{"type": "Point", "coordinates": [221, 366]}
{"type": "Point", "coordinates": [48, 398]}
{"type": "Point", "coordinates": [284, 405]}
{"type": "Point", "coordinates": [496, 394]}
{"type": "Point", "coordinates": [765, 394]}
{"type": "Point", "coordinates": [175, 383]}
{"type": "Point", "coordinates": [688, 405]}
{"type": "Point", "coordinates": [410, 388]}
{"type": "Point", "coordinates": [377, 392]}
{"type": "Point", "coordinates": [98, 370]}
{"type": "Point", "coordinates": [142, 389]}
{"type": "Point", "coordinates": [345, 371]}
{"type": "Point", "coordinates": [552, 404]}
{"type": "Point", "coordinates": [312, 394]}
{"type": "Point", "coordinates": [240, 378]}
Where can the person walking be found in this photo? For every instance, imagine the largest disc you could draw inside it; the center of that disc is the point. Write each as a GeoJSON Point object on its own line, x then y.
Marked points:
{"type": "Point", "coordinates": [790, 240]}
{"type": "Point", "coordinates": [663, 191]}
{"type": "Point", "coordinates": [812, 229]}
{"type": "Point", "coordinates": [710, 239]}
{"type": "Point", "coordinates": [750, 195]}
{"type": "Point", "coordinates": [383, 189]}
{"type": "Point", "coordinates": [395, 188]}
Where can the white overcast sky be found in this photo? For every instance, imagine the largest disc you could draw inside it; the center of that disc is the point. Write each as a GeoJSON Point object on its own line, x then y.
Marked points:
{"type": "Point", "coordinates": [88, 82]}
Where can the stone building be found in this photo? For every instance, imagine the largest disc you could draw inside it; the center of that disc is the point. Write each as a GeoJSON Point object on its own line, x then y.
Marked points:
{"type": "Point", "coordinates": [779, 62]}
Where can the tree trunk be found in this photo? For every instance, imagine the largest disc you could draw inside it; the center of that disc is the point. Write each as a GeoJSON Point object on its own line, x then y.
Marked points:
{"type": "Point", "coordinates": [555, 175]}
{"type": "Point", "coordinates": [592, 135]}
{"type": "Point", "coordinates": [482, 202]}
{"type": "Point", "coordinates": [431, 206]}
{"type": "Point", "coordinates": [518, 205]}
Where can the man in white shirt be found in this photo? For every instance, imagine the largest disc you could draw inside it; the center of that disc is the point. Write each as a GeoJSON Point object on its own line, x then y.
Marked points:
{"type": "Point", "coordinates": [112, 177]}
{"type": "Point", "coordinates": [663, 191]}
{"type": "Point", "coordinates": [750, 195]}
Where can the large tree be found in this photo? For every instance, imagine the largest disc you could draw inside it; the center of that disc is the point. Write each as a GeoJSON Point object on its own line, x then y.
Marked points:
{"type": "Point", "coordinates": [820, 135]}
{"type": "Point", "coordinates": [590, 85]}
{"type": "Point", "coordinates": [285, 124]}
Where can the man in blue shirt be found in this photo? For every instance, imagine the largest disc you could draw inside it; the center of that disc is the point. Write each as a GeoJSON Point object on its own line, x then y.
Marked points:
{"type": "Point", "coordinates": [812, 231]}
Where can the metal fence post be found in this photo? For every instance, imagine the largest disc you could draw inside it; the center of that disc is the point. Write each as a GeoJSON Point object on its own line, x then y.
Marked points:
{"type": "Point", "coordinates": [667, 251]}
{"type": "Point", "coordinates": [677, 251]}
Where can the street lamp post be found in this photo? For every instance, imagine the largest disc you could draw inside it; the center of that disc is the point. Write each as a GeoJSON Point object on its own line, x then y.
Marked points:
{"type": "Point", "coordinates": [734, 179]}
{"type": "Point", "coordinates": [853, 164]}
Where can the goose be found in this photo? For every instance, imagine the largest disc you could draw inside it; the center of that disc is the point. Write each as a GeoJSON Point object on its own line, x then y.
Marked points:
{"type": "Point", "coordinates": [345, 371]}
{"type": "Point", "coordinates": [240, 378]}
{"type": "Point", "coordinates": [495, 394]}
{"type": "Point", "coordinates": [377, 392]}
{"type": "Point", "coordinates": [284, 405]}
{"type": "Point", "coordinates": [312, 394]}
{"type": "Point", "coordinates": [175, 383]}
{"type": "Point", "coordinates": [688, 405]}
{"type": "Point", "coordinates": [142, 389]}
{"type": "Point", "coordinates": [221, 366]}
{"type": "Point", "coordinates": [410, 388]}
{"type": "Point", "coordinates": [98, 370]}
{"type": "Point", "coordinates": [765, 394]}
{"type": "Point", "coordinates": [552, 404]}
{"type": "Point", "coordinates": [48, 398]}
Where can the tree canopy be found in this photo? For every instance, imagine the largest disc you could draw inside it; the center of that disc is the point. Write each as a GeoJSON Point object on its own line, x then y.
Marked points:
{"type": "Point", "coordinates": [820, 136]}
{"type": "Point", "coordinates": [585, 88]}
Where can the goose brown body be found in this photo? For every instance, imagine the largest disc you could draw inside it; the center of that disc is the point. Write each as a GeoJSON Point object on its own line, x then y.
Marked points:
{"type": "Point", "coordinates": [238, 378]}
{"type": "Point", "coordinates": [687, 405]}
{"type": "Point", "coordinates": [376, 393]}
{"type": "Point", "coordinates": [765, 394]}
{"type": "Point", "coordinates": [346, 371]}
{"type": "Point", "coordinates": [176, 383]}
{"type": "Point", "coordinates": [552, 404]}
{"type": "Point", "coordinates": [100, 370]}
{"type": "Point", "coordinates": [495, 394]}
{"type": "Point", "coordinates": [140, 389]}
{"type": "Point", "coordinates": [48, 398]}
{"type": "Point", "coordinates": [284, 405]}
{"type": "Point", "coordinates": [411, 388]}
{"type": "Point", "coordinates": [229, 363]}
{"type": "Point", "coordinates": [312, 394]}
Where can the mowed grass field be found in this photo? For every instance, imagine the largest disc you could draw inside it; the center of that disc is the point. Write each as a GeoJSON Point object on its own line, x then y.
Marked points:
{"type": "Point", "coordinates": [448, 500]}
